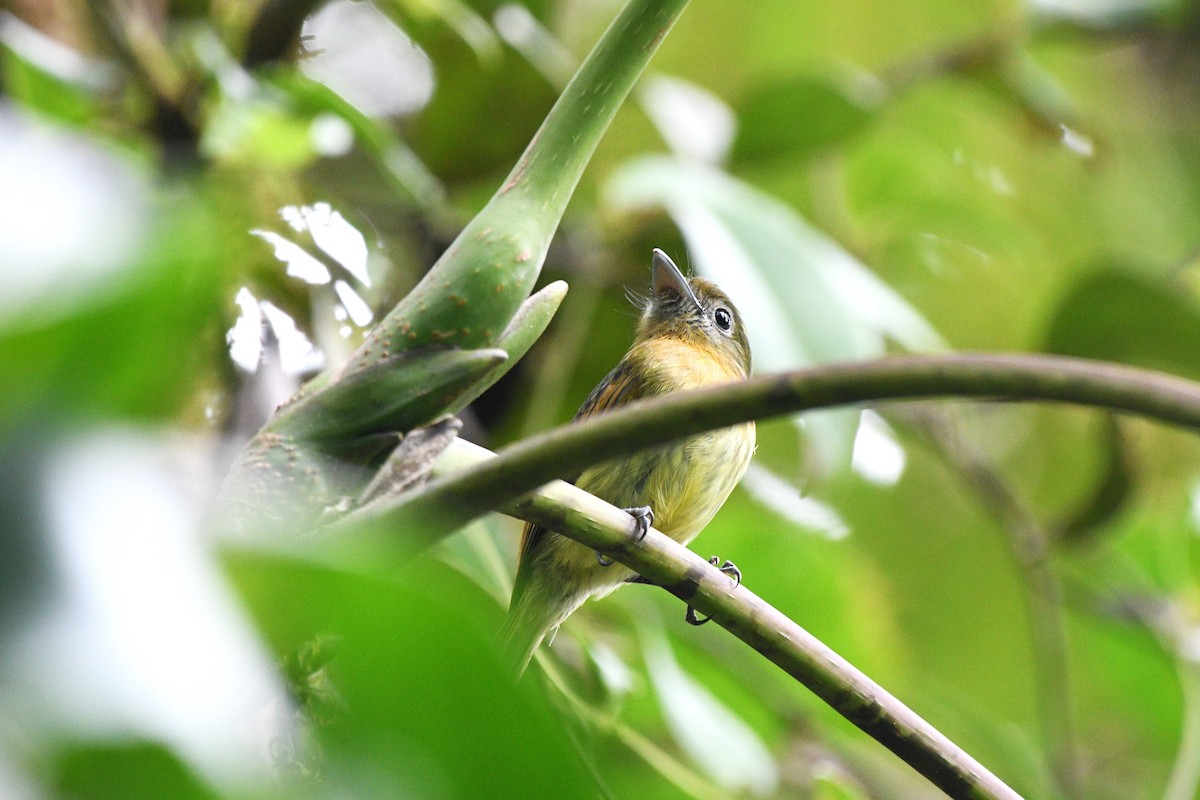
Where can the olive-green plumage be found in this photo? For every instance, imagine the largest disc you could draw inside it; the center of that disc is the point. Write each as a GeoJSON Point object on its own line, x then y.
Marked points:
{"type": "Point", "coordinates": [690, 336]}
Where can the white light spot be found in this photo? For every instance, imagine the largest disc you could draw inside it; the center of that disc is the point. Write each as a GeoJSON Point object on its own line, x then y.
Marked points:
{"type": "Point", "coordinates": [717, 739]}
{"type": "Point", "coordinates": [877, 457]}
{"type": "Point", "coordinates": [522, 31]}
{"type": "Point", "coordinates": [357, 52]}
{"type": "Point", "coordinates": [616, 675]}
{"type": "Point", "coordinates": [336, 237]}
{"type": "Point", "coordinates": [51, 55]}
{"type": "Point", "coordinates": [356, 307]}
{"type": "Point", "coordinates": [297, 355]}
{"type": "Point", "coordinates": [245, 337]}
{"type": "Point", "coordinates": [999, 182]}
{"type": "Point", "coordinates": [693, 121]}
{"type": "Point", "coordinates": [1092, 11]}
{"type": "Point", "coordinates": [339, 239]}
{"type": "Point", "coordinates": [299, 263]}
{"type": "Point", "coordinates": [331, 135]}
{"type": "Point", "coordinates": [1189, 645]}
{"type": "Point", "coordinates": [72, 216]}
{"type": "Point", "coordinates": [515, 24]}
{"type": "Point", "coordinates": [294, 217]}
{"type": "Point", "coordinates": [1076, 142]}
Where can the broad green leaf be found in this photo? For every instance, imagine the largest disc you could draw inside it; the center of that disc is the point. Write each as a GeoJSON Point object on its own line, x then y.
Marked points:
{"type": "Point", "coordinates": [801, 116]}
{"type": "Point", "coordinates": [424, 705]}
{"type": "Point", "coordinates": [108, 283]}
{"type": "Point", "coordinates": [1120, 316]}
{"type": "Point", "coordinates": [392, 395]}
{"type": "Point", "coordinates": [45, 75]}
{"type": "Point", "coordinates": [117, 771]}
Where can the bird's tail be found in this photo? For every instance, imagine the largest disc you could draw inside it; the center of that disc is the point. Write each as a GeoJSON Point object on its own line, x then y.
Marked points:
{"type": "Point", "coordinates": [523, 630]}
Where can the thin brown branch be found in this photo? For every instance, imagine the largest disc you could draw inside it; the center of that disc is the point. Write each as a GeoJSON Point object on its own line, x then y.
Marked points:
{"type": "Point", "coordinates": [689, 577]}
{"type": "Point", "coordinates": [449, 503]}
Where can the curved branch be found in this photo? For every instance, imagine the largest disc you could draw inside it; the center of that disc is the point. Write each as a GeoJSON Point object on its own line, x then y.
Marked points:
{"type": "Point", "coordinates": [478, 483]}
{"type": "Point", "coordinates": [444, 505]}
{"type": "Point", "coordinates": [587, 519]}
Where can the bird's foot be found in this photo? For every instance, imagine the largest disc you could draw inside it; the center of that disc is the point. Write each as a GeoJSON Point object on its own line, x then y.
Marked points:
{"type": "Point", "coordinates": [730, 569]}
{"type": "Point", "coordinates": [643, 518]}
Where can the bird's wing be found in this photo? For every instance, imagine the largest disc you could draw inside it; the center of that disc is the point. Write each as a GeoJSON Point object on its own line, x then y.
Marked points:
{"type": "Point", "coordinates": [622, 385]}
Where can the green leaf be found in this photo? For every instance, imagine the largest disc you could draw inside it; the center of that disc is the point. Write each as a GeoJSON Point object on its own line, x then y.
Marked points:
{"type": "Point", "coordinates": [37, 89]}
{"type": "Point", "coordinates": [1123, 317]}
{"type": "Point", "coordinates": [393, 395]}
{"type": "Point", "coordinates": [799, 117]}
{"type": "Point", "coordinates": [1110, 494]}
{"type": "Point", "coordinates": [321, 449]}
{"type": "Point", "coordinates": [527, 326]}
{"type": "Point", "coordinates": [490, 268]}
{"type": "Point", "coordinates": [425, 707]}
{"type": "Point", "coordinates": [412, 388]}
{"type": "Point", "coordinates": [317, 451]}
{"type": "Point", "coordinates": [80, 334]}
{"type": "Point", "coordinates": [118, 771]}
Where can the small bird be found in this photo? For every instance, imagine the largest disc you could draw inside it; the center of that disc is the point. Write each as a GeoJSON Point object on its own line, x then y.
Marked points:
{"type": "Point", "coordinates": [689, 336]}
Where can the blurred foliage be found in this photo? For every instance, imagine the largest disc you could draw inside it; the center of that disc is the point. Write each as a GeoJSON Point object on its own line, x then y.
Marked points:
{"type": "Point", "coordinates": [867, 176]}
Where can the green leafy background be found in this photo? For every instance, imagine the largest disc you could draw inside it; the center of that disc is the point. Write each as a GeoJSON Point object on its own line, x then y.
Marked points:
{"type": "Point", "coordinates": [930, 175]}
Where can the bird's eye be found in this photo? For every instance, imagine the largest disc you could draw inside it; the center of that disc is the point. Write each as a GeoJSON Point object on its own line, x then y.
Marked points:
{"type": "Point", "coordinates": [723, 318]}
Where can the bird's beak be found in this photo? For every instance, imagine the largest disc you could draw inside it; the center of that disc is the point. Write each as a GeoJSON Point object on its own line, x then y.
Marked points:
{"type": "Point", "coordinates": [668, 278]}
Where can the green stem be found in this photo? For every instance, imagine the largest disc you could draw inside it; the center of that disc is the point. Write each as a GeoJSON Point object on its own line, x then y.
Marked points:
{"type": "Point", "coordinates": [551, 166]}
{"type": "Point", "coordinates": [444, 505]}
{"type": "Point", "coordinates": [475, 287]}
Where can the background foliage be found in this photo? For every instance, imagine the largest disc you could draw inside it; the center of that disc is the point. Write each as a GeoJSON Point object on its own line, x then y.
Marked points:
{"type": "Point", "coordinates": [861, 177]}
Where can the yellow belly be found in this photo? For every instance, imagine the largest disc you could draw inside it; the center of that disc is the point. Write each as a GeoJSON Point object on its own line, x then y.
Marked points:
{"type": "Point", "coordinates": [684, 483]}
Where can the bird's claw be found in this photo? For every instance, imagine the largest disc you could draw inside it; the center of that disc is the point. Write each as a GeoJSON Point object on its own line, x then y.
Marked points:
{"type": "Point", "coordinates": [643, 518]}
{"type": "Point", "coordinates": [730, 569]}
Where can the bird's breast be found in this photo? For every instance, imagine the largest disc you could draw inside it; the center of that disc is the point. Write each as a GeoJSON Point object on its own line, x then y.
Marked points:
{"type": "Point", "coordinates": [684, 482]}
{"type": "Point", "coordinates": [673, 364]}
